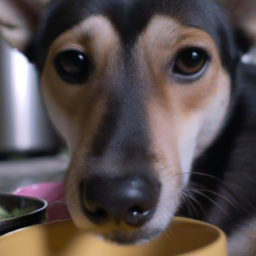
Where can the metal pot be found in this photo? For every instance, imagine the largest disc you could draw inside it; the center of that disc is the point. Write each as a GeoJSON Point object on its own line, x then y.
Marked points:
{"type": "Point", "coordinates": [24, 125]}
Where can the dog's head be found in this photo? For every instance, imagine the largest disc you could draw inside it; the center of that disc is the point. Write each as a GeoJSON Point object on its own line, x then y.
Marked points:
{"type": "Point", "coordinates": [138, 89]}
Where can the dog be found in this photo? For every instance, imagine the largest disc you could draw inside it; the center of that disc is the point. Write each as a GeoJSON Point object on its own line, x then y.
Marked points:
{"type": "Point", "coordinates": [155, 106]}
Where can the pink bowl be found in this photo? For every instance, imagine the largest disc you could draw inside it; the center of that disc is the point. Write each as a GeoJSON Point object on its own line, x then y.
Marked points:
{"type": "Point", "coordinates": [53, 193]}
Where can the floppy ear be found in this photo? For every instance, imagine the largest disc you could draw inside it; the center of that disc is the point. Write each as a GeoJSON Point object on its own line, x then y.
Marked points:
{"type": "Point", "coordinates": [243, 15]}
{"type": "Point", "coordinates": [19, 20]}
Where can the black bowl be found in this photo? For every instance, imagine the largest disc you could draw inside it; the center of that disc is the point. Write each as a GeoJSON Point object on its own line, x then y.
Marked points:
{"type": "Point", "coordinates": [33, 212]}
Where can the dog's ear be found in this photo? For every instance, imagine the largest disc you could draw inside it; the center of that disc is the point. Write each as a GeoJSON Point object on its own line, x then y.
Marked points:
{"type": "Point", "coordinates": [19, 20]}
{"type": "Point", "coordinates": [243, 17]}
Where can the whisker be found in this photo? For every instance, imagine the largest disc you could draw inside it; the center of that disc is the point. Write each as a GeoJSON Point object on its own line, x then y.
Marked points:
{"type": "Point", "coordinates": [169, 230]}
{"type": "Point", "coordinates": [197, 192]}
{"type": "Point", "coordinates": [236, 207]}
{"type": "Point", "coordinates": [185, 201]}
{"type": "Point", "coordinates": [60, 201]}
{"type": "Point", "coordinates": [223, 197]}
{"type": "Point", "coordinates": [208, 176]}
{"type": "Point", "coordinates": [188, 198]}
{"type": "Point", "coordinates": [220, 183]}
{"type": "Point", "coordinates": [167, 235]}
{"type": "Point", "coordinates": [230, 202]}
{"type": "Point", "coordinates": [167, 175]}
{"type": "Point", "coordinates": [197, 202]}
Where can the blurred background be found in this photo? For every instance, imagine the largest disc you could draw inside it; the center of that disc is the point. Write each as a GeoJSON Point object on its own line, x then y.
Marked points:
{"type": "Point", "coordinates": [30, 149]}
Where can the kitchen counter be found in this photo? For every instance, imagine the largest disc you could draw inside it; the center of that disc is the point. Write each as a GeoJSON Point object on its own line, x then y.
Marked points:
{"type": "Point", "coordinates": [18, 173]}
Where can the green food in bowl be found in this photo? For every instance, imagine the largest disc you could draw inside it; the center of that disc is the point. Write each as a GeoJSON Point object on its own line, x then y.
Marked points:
{"type": "Point", "coordinates": [4, 214]}
{"type": "Point", "coordinates": [17, 212]}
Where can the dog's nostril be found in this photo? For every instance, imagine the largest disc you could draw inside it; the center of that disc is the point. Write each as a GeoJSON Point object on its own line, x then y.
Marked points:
{"type": "Point", "coordinates": [95, 212]}
{"type": "Point", "coordinates": [99, 213]}
{"type": "Point", "coordinates": [136, 216]}
{"type": "Point", "coordinates": [138, 211]}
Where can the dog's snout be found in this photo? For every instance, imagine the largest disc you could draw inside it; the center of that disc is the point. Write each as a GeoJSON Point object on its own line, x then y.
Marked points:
{"type": "Point", "coordinates": [129, 200]}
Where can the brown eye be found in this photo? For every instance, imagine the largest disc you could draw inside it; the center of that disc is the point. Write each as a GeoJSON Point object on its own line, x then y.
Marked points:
{"type": "Point", "coordinates": [190, 61]}
{"type": "Point", "coordinates": [72, 66]}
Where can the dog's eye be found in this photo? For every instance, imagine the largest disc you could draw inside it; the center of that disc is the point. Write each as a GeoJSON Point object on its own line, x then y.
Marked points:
{"type": "Point", "coordinates": [190, 61]}
{"type": "Point", "coordinates": [72, 66]}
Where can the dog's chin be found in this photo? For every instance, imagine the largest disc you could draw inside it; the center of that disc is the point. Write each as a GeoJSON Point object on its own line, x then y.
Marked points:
{"type": "Point", "coordinates": [129, 238]}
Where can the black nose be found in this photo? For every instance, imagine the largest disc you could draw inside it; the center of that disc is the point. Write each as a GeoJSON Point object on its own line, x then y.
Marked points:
{"type": "Point", "coordinates": [131, 200]}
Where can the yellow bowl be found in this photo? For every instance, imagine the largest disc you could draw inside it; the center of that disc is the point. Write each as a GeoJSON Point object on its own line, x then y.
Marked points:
{"type": "Point", "coordinates": [185, 238]}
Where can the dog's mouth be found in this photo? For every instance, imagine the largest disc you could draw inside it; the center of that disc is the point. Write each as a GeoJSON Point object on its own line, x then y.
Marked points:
{"type": "Point", "coordinates": [135, 237]}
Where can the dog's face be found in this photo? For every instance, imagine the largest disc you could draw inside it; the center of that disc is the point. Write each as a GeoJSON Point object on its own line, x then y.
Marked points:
{"type": "Point", "coordinates": [138, 89]}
